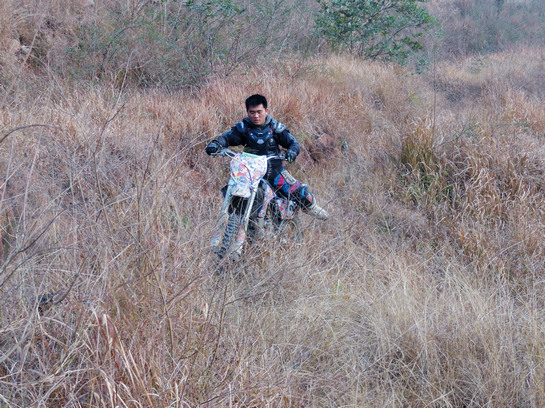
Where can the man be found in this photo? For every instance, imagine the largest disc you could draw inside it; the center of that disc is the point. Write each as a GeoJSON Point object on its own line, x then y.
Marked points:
{"type": "Point", "coordinates": [262, 135]}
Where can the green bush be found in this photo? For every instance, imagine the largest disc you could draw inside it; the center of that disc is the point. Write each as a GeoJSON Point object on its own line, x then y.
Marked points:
{"type": "Point", "coordinates": [382, 29]}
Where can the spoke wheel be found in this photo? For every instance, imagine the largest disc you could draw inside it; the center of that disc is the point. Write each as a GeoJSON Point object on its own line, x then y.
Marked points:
{"type": "Point", "coordinates": [291, 231]}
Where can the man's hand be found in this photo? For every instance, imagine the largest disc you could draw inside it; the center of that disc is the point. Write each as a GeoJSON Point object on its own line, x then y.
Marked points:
{"type": "Point", "coordinates": [213, 147]}
{"type": "Point", "coordinates": [290, 155]}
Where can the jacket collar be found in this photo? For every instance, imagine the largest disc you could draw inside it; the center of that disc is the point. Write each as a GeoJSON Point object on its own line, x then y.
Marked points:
{"type": "Point", "coordinates": [250, 125]}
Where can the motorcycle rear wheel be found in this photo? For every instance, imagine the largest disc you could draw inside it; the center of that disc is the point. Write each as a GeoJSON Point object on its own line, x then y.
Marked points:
{"type": "Point", "coordinates": [291, 231]}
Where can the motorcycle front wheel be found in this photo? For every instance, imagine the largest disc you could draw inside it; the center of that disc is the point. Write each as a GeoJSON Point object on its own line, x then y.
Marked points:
{"type": "Point", "coordinates": [226, 244]}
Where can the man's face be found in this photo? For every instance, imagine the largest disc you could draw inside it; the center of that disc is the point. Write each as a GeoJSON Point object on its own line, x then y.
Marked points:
{"type": "Point", "coordinates": [258, 114]}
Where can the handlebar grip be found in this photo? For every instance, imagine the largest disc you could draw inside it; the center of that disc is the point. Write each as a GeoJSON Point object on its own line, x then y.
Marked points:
{"type": "Point", "coordinates": [224, 151]}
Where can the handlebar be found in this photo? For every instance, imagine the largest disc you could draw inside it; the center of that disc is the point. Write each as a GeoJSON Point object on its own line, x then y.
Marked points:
{"type": "Point", "coordinates": [230, 153]}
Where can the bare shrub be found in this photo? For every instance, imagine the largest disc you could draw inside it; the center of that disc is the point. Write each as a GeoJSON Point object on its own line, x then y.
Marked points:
{"type": "Point", "coordinates": [481, 26]}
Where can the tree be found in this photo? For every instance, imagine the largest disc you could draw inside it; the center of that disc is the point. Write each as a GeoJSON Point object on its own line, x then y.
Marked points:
{"type": "Point", "coordinates": [376, 29]}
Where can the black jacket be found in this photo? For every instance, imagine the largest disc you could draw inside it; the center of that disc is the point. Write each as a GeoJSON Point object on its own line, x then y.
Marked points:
{"type": "Point", "coordinates": [261, 140]}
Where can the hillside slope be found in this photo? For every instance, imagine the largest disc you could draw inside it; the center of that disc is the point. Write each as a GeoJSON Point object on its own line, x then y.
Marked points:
{"type": "Point", "coordinates": [425, 288]}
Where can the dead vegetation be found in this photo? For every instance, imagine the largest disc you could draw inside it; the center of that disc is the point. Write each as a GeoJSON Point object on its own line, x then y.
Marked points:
{"type": "Point", "coordinates": [425, 288]}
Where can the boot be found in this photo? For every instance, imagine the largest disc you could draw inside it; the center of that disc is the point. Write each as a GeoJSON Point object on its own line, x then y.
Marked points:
{"type": "Point", "coordinates": [317, 212]}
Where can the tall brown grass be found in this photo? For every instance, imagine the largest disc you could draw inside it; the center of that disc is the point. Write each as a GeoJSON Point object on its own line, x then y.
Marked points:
{"type": "Point", "coordinates": [424, 289]}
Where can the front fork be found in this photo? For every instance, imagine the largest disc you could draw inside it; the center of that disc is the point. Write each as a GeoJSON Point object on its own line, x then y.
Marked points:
{"type": "Point", "coordinates": [224, 216]}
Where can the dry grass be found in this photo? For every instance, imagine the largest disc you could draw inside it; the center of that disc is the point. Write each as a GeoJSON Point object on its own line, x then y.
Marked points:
{"type": "Point", "coordinates": [424, 289]}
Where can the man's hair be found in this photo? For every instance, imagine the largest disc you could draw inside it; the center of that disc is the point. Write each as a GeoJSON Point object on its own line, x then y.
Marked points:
{"type": "Point", "coordinates": [256, 100]}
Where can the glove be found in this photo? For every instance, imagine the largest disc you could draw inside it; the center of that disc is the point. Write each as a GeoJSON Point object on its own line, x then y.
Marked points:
{"type": "Point", "coordinates": [291, 155]}
{"type": "Point", "coordinates": [213, 147]}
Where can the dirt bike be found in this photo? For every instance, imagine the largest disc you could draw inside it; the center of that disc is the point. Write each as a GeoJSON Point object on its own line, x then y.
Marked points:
{"type": "Point", "coordinates": [251, 208]}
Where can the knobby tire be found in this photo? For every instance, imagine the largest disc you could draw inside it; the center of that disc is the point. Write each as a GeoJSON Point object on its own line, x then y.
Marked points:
{"type": "Point", "coordinates": [230, 231]}
{"type": "Point", "coordinates": [291, 230]}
